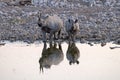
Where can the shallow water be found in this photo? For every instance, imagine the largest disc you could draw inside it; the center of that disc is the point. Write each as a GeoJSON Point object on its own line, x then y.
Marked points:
{"type": "Point", "coordinates": [20, 61]}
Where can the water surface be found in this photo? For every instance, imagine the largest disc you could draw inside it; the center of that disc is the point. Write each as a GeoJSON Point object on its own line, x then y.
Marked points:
{"type": "Point", "coordinates": [20, 61]}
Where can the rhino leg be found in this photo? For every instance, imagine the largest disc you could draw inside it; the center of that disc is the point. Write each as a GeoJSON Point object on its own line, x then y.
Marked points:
{"type": "Point", "coordinates": [73, 38]}
{"type": "Point", "coordinates": [59, 35]}
{"type": "Point", "coordinates": [55, 37]}
{"type": "Point", "coordinates": [44, 36]}
{"type": "Point", "coordinates": [69, 36]}
{"type": "Point", "coordinates": [51, 36]}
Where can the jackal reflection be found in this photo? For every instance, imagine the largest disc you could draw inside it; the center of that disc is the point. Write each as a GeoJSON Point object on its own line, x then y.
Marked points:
{"type": "Point", "coordinates": [73, 53]}
{"type": "Point", "coordinates": [51, 55]}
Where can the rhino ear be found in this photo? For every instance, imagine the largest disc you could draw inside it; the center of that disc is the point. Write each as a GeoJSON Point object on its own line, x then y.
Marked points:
{"type": "Point", "coordinates": [77, 62]}
{"type": "Point", "coordinates": [70, 62]}
{"type": "Point", "coordinates": [76, 20]}
{"type": "Point", "coordinates": [41, 67]}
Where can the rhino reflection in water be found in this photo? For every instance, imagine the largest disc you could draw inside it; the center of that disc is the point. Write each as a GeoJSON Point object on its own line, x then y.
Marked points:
{"type": "Point", "coordinates": [73, 53]}
{"type": "Point", "coordinates": [50, 56]}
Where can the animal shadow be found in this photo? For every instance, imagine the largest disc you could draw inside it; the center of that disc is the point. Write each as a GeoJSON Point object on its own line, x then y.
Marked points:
{"type": "Point", "coordinates": [72, 53]}
{"type": "Point", "coordinates": [50, 56]}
